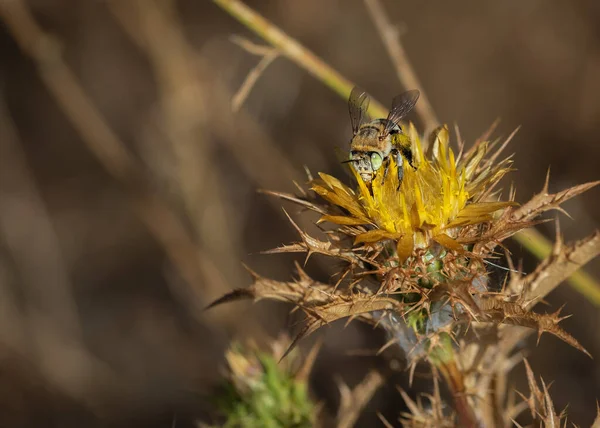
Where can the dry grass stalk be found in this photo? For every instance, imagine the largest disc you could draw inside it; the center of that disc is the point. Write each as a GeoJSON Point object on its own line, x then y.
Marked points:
{"type": "Point", "coordinates": [268, 55]}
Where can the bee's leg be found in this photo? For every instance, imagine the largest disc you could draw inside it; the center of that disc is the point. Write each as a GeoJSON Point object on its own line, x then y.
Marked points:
{"type": "Point", "coordinates": [408, 155]}
{"type": "Point", "coordinates": [400, 163]}
{"type": "Point", "coordinates": [386, 167]}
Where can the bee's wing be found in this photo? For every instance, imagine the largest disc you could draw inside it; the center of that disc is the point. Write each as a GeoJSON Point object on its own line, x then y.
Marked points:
{"type": "Point", "coordinates": [401, 106]}
{"type": "Point", "coordinates": [358, 103]}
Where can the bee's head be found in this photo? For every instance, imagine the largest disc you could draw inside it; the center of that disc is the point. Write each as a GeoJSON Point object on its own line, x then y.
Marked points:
{"type": "Point", "coordinates": [366, 163]}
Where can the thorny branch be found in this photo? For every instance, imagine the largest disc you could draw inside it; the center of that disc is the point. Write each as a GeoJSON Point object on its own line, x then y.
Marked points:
{"type": "Point", "coordinates": [564, 260]}
{"type": "Point", "coordinates": [581, 280]}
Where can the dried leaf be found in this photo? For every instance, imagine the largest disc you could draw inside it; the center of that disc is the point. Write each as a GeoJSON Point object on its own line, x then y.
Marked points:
{"type": "Point", "coordinates": [557, 267]}
{"type": "Point", "coordinates": [513, 313]}
{"type": "Point", "coordinates": [343, 306]}
{"type": "Point", "coordinates": [545, 201]}
{"type": "Point", "coordinates": [304, 290]}
{"type": "Point", "coordinates": [339, 306]}
{"type": "Point", "coordinates": [500, 230]}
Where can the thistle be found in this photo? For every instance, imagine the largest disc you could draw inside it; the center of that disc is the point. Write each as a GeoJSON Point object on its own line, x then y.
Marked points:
{"type": "Point", "coordinates": [435, 202]}
{"type": "Point", "coordinates": [414, 260]}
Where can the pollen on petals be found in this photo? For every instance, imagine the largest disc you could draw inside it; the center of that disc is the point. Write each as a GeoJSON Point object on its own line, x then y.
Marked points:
{"type": "Point", "coordinates": [437, 197]}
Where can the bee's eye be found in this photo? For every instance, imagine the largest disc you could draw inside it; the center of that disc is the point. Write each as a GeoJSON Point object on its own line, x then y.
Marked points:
{"type": "Point", "coordinates": [376, 161]}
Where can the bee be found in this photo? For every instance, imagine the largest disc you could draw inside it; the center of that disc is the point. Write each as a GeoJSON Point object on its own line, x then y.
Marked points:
{"type": "Point", "coordinates": [375, 142]}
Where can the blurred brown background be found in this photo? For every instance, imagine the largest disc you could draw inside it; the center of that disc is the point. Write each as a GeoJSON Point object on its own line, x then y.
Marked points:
{"type": "Point", "coordinates": [107, 256]}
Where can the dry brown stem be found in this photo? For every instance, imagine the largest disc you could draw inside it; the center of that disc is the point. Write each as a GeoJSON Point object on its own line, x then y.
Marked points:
{"type": "Point", "coordinates": [419, 416]}
{"type": "Point", "coordinates": [353, 401]}
{"type": "Point", "coordinates": [267, 54]}
{"type": "Point", "coordinates": [404, 70]}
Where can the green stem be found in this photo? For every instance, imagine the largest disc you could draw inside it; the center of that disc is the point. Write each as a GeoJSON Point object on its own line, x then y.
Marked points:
{"type": "Point", "coordinates": [297, 53]}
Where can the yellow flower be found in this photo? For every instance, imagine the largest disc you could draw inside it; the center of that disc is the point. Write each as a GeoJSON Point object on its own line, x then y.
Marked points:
{"type": "Point", "coordinates": [435, 200]}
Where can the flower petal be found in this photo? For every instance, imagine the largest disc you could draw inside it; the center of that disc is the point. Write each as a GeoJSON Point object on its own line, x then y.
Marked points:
{"type": "Point", "coordinates": [376, 235]}
{"type": "Point", "coordinates": [448, 242]}
{"type": "Point", "coordinates": [343, 220]}
{"type": "Point", "coordinates": [405, 246]}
